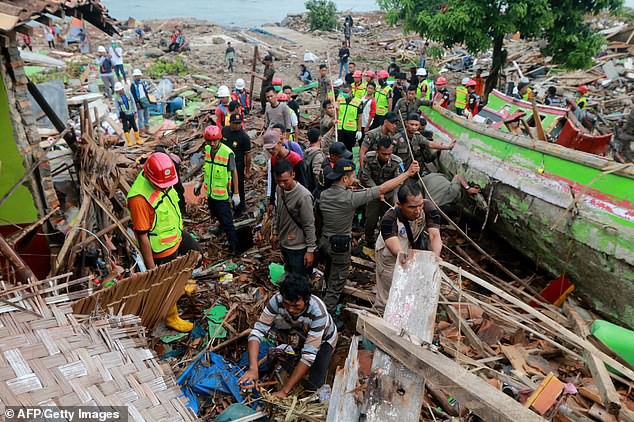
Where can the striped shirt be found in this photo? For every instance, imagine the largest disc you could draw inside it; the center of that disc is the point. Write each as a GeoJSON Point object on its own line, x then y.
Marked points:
{"type": "Point", "coordinates": [315, 321]}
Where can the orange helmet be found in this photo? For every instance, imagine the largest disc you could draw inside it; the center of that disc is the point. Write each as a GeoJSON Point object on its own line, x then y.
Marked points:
{"type": "Point", "coordinates": [212, 132]}
{"type": "Point", "coordinates": [441, 81]}
{"type": "Point", "coordinates": [582, 89]}
{"type": "Point", "coordinates": [160, 170]}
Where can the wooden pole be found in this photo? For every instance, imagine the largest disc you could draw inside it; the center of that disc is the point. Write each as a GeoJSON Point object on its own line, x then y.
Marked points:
{"type": "Point", "coordinates": [255, 60]}
{"type": "Point", "coordinates": [332, 91]}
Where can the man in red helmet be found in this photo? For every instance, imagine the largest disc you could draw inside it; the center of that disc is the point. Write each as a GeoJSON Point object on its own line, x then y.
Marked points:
{"type": "Point", "coordinates": [383, 96]}
{"type": "Point", "coordinates": [473, 99]}
{"type": "Point", "coordinates": [219, 174]}
{"type": "Point", "coordinates": [157, 221]}
{"type": "Point", "coordinates": [443, 92]}
{"type": "Point", "coordinates": [582, 96]}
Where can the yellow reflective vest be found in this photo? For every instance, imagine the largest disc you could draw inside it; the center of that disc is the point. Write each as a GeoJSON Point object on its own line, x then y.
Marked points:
{"type": "Point", "coordinates": [461, 97]}
{"type": "Point", "coordinates": [217, 174]}
{"type": "Point", "coordinates": [382, 100]}
{"type": "Point", "coordinates": [348, 114]}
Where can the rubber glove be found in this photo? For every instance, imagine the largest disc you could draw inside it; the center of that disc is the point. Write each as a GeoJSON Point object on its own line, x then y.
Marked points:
{"type": "Point", "coordinates": [358, 135]}
{"type": "Point", "coordinates": [236, 200]}
{"type": "Point", "coordinates": [197, 189]}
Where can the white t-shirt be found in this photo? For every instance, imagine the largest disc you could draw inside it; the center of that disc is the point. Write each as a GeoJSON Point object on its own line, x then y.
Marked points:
{"type": "Point", "coordinates": [116, 55]}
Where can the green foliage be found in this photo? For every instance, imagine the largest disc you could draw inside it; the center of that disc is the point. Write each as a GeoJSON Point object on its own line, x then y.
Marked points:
{"type": "Point", "coordinates": [482, 24]}
{"type": "Point", "coordinates": [167, 66]}
{"type": "Point", "coordinates": [322, 14]}
{"type": "Point", "coordinates": [51, 75]}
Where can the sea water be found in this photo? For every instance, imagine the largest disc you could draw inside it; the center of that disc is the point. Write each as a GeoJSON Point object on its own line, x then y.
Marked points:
{"type": "Point", "coordinates": [234, 13]}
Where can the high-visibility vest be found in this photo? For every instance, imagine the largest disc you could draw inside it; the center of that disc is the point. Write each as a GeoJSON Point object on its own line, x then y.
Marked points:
{"type": "Point", "coordinates": [528, 95]}
{"type": "Point", "coordinates": [461, 96]}
{"type": "Point", "coordinates": [382, 100]}
{"type": "Point", "coordinates": [428, 92]}
{"type": "Point", "coordinates": [126, 110]}
{"type": "Point", "coordinates": [581, 101]}
{"type": "Point", "coordinates": [348, 114]}
{"type": "Point", "coordinates": [358, 91]}
{"type": "Point", "coordinates": [217, 174]}
{"type": "Point", "coordinates": [167, 228]}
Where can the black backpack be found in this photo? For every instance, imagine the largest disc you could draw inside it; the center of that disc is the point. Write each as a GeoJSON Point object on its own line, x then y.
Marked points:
{"type": "Point", "coordinates": [106, 66]}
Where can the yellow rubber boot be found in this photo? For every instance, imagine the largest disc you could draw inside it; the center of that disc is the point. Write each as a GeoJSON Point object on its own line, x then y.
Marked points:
{"type": "Point", "coordinates": [190, 287]}
{"type": "Point", "coordinates": [173, 321]}
{"type": "Point", "coordinates": [127, 138]}
{"type": "Point", "coordinates": [137, 138]}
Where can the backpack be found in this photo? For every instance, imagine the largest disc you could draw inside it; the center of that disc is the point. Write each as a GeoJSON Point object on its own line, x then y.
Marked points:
{"type": "Point", "coordinates": [308, 158]}
{"type": "Point", "coordinates": [106, 66]}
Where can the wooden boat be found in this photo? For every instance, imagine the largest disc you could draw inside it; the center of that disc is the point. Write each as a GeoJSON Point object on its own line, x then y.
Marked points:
{"type": "Point", "coordinates": [570, 211]}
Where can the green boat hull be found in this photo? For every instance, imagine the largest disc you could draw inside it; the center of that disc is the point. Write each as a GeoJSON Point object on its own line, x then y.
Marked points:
{"type": "Point", "coordinates": [569, 211]}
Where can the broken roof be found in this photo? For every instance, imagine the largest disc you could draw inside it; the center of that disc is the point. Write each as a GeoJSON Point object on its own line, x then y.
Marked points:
{"type": "Point", "coordinates": [15, 13]}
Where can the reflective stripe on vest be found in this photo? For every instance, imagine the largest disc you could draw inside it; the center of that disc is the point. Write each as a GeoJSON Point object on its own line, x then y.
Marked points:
{"type": "Point", "coordinates": [461, 96]}
{"type": "Point", "coordinates": [167, 228]}
{"type": "Point", "coordinates": [581, 102]}
{"type": "Point", "coordinates": [358, 91]}
{"type": "Point", "coordinates": [217, 175]}
{"type": "Point", "coordinates": [528, 95]}
{"type": "Point", "coordinates": [382, 100]}
{"type": "Point", "coordinates": [225, 111]}
{"type": "Point", "coordinates": [429, 85]}
{"type": "Point", "coordinates": [126, 110]}
{"type": "Point", "coordinates": [348, 114]}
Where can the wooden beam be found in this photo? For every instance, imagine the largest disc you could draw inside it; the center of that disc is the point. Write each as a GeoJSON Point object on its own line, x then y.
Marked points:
{"type": "Point", "coordinates": [24, 29]}
{"type": "Point", "coordinates": [611, 399]}
{"type": "Point", "coordinates": [553, 325]}
{"type": "Point", "coordinates": [475, 341]}
{"type": "Point", "coordinates": [469, 390]}
{"type": "Point", "coordinates": [397, 391]}
{"type": "Point", "coordinates": [343, 405]}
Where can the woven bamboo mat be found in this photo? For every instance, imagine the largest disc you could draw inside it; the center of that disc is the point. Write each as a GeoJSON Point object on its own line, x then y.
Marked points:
{"type": "Point", "coordinates": [70, 360]}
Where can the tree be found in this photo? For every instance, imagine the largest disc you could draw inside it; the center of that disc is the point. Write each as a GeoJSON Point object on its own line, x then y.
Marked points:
{"type": "Point", "coordinates": [482, 24]}
{"type": "Point", "coordinates": [322, 14]}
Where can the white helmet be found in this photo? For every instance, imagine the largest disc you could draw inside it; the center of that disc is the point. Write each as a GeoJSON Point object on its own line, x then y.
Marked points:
{"type": "Point", "coordinates": [464, 81]}
{"type": "Point", "coordinates": [240, 84]}
{"type": "Point", "coordinates": [137, 72]}
{"type": "Point", "coordinates": [338, 82]}
{"type": "Point", "coordinates": [223, 92]}
{"type": "Point", "coordinates": [118, 86]}
{"type": "Point", "coordinates": [421, 71]}
{"type": "Point", "coordinates": [525, 80]}
{"type": "Point", "coordinates": [101, 49]}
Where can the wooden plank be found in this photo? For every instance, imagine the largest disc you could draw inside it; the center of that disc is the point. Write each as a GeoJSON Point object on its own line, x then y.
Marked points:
{"type": "Point", "coordinates": [475, 341]}
{"type": "Point", "coordinates": [397, 392]}
{"type": "Point", "coordinates": [359, 293]}
{"type": "Point", "coordinates": [343, 405]}
{"type": "Point", "coordinates": [553, 325]}
{"type": "Point", "coordinates": [610, 398]}
{"type": "Point", "coordinates": [469, 390]}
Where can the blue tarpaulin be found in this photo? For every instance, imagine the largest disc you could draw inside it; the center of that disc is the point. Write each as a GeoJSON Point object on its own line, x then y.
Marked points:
{"type": "Point", "coordinates": [208, 374]}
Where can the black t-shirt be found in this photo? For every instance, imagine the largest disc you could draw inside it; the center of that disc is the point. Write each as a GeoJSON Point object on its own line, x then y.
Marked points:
{"type": "Point", "coordinates": [294, 105]}
{"type": "Point", "coordinates": [238, 141]}
{"type": "Point", "coordinates": [349, 79]}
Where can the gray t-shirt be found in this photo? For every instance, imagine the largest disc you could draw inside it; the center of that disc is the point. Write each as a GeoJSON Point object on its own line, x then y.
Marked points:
{"type": "Point", "coordinates": [278, 115]}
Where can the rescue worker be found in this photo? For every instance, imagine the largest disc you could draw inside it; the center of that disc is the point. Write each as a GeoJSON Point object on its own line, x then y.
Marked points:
{"type": "Point", "coordinates": [235, 137]}
{"type": "Point", "coordinates": [445, 193]}
{"type": "Point", "coordinates": [336, 152]}
{"type": "Point", "coordinates": [294, 222]}
{"type": "Point", "coordinates": [582, 96]}
{"type": "Point", "coordinates": [338, 205]}
{"type": "Point", "coordinates": [140, 91]}
{"type": "Point", "coordinates": [421, 146]}
{"type": "Point", "coordinates": [358, 86]}
{"type": "Point", "coordinates": [241, 95]}
{"type": "Point", "coordinates": [425, 88]}
{"type": "Point", "coordinates": [378, 167]}
{"type": "Point", "coordinates": [222, 109]}
{"type": "Point", "coordinates": [219, 174]}
{"type": "Point", "coordinates": [105, 66]}
{"type": "Point", "coordinates": [369, 76]}
{"type": "Point", "coordinates": [297, 307]}
{"type": "Point", "coordinates": [480, 81]}
{"type": "Point", "coordinates": [126, 110]}
{"type": "Point", "coordinates": [402, 229]}
{"type": "Point", "coordinates": [524, 92]}
{"type": "Point", "coordinates": [157, 221]}
{"type": "Point", "coordinates": [461, 96]}
{"type": "Point", "coordinates": [443, 92]}
{"type": "Point", "coordinates": [349, 118]}
{"type": "Point", "coordinates": [473, 100]}
{"type": "Point", "coordinates": [408, 105]}
{"type": "Point", "coordinates": [284, 98]}
{"type": "Point", "coordinates": [552, 99]}
{"type": "Point", "coordinates": [273, 144]}
{"type": "Point", "coordinates": [267, 79]}
{"type": "Point", "coordinates": [383, 96]}
{"type": "Point", "coordinates": [387, 130]}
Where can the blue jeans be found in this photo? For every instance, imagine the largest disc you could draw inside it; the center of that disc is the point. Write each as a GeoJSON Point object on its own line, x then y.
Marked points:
{"type": "Point", "coordinates": [343, 66]}
{"type": "Point", "coordinates": [294, 262]}
{"type": "Point", "coordinates": [120, 71]}
{"type": "Point", "coordinates": [144, 117]}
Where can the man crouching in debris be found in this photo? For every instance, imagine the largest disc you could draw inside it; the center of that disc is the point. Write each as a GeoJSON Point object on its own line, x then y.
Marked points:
{"type": "Point", "coordinates": [402, 229]}
{"type": "Point", "coordinates": [297, 307]}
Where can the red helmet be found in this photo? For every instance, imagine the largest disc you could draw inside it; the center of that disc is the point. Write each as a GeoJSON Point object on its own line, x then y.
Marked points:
{"type": "Point", "coordinates": [277, 81]}
{"type": "Point", "coordinates": [582, 89]}
{"type": "Point", "coordinates": [471, 82]}
{"type": "Point", "coordinates": [160, 170]}
{"type": "Point", "coordinates": [357, 74]}
{"type": "Point", "coordinates": [383, 74]}
{"type": "Point", "coordinates": [282, 97]}
{"type": "Point", "coordinates": [441, 81]}
{"type": "Point", "coordinates": [212, 132]}
{"type": "Point", "coordinates": [370, 73]}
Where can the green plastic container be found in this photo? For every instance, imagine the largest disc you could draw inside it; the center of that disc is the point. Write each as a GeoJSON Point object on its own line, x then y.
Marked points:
{"type": "Point", "coordinates": [618, 339]}
{"type": "Point", "coordinates": [275, 271]}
